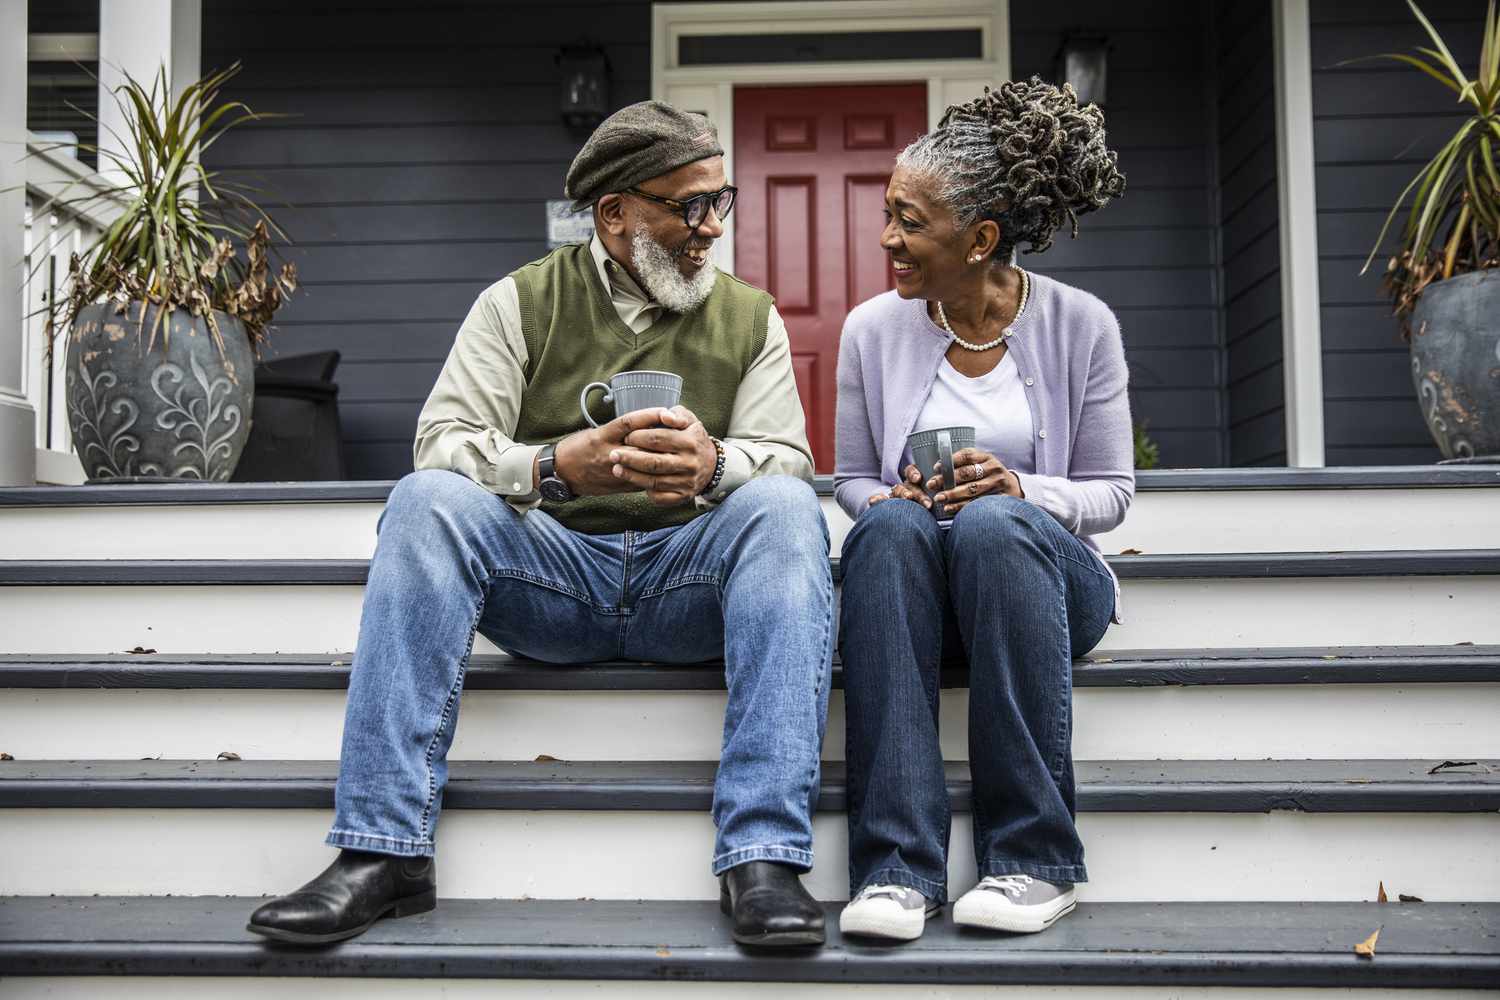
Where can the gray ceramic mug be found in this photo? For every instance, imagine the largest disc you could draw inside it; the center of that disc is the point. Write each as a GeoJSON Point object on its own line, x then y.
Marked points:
{"type": "Point", "coordinates": [631, 391]}
{"type": "Point", "coordinates": [928, 448]}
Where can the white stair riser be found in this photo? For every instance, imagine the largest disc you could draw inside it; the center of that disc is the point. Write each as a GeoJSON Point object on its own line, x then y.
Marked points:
{"type": "Point", "coordinates": [196, 988]}
{"type": "Point", "coordinates": [665, 855]}
{"type": "Point", "coordinates": [1159, 614]}
{"type": "Point", "coordinates": [1250, 722]}
{"type": "Point", "coordinates": [1159, 522]}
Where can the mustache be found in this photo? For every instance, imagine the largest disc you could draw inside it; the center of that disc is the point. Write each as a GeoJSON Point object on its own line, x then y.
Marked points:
{"type": "Point", "coordinates": [692, 244]}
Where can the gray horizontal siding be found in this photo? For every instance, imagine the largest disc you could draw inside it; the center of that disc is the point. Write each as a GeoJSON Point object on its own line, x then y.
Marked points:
{"type": "Point", "coordinates": [1374, 125]}
{"type": "Point", "coordinates": [1150, 255]}
{"type": "Point", "coordinates": [422, 145]}
{"type": "Point", "coordinates": [1250, 232]}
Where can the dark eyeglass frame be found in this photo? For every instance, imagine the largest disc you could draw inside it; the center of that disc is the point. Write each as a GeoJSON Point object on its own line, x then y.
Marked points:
{"type": "Point", "coordinates": [697, 205]}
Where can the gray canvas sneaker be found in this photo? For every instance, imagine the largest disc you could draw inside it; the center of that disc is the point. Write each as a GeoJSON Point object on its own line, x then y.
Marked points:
{"type": "Point", "coordinates": [1017, 903]}
{"type": "Point", "coordinates": [888, 911]}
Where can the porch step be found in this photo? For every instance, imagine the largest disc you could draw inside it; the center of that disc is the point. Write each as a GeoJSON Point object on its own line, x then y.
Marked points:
{"type": "Point", "coordinates": [1327, 702]}
{"type": "Point", "coordinates": [1210, 600]}
{"type": "Point", "coordinates": [1175, 511]}
{"type": "Point", "coordinates": [619, 944]}
{"type": "Point", "coordinates": [1153, 830]}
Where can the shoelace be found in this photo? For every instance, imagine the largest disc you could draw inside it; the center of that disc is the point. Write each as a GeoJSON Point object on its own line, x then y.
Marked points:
{"type": "Point", "coordinates": [1013, 886]}
{"type": "Point", "coordinates": [889, 891]}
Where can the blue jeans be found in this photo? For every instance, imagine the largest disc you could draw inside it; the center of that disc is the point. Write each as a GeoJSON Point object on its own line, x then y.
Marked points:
{"type": "Point", "coordinates": [748, 581]}
{"type": "Point", "coordinates": [1021, 596]}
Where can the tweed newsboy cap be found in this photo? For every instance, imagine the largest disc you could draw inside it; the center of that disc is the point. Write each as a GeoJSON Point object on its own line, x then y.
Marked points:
{"type": "Point", "coordinates": [634, 144]}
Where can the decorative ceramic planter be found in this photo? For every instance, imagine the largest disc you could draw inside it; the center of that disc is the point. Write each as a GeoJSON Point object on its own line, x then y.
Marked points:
{"type": "Point", "coordinates": [180, 410]}
{"type": "Point", "coordinates": [1455, 363]}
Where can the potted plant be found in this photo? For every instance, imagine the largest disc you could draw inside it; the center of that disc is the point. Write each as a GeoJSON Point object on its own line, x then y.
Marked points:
{"type": "Point", "coordinates": [164, 319]}
{"type": "Point", "coordinates": [1445, 275]}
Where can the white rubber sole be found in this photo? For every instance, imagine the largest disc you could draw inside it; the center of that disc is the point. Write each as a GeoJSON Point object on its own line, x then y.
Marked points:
{"type": "Point", "coordinates": [889, 921]}
{"type": "Point", "coordinates": [983, 910]}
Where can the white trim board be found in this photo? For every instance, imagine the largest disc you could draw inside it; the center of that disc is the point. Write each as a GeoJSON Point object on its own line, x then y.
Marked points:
{"type": "Point", "coordinates": [710, 89]}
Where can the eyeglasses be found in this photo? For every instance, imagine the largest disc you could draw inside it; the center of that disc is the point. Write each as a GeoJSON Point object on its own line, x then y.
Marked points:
{"type": "Point", "coordinates": [695, 209]}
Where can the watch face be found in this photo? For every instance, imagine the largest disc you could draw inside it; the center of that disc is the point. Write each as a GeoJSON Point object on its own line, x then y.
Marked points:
{"type": "Point", "coordinates": [555, 489]}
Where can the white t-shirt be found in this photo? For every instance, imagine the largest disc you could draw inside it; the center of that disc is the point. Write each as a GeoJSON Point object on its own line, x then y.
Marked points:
{"type": "Point", "coordinates": [994, 404]}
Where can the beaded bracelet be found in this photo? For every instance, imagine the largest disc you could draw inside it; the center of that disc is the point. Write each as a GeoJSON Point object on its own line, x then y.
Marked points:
{"type": "Point", "coordinates": [713, 480]}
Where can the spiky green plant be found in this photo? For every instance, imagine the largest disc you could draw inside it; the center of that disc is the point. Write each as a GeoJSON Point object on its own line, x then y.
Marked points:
{"type": "Point", "coordinates": [174, 242]}
{"type": "Point", "coordinates": [1453, 225]}
{"type": "Point", "coordinates": [1147, 452]}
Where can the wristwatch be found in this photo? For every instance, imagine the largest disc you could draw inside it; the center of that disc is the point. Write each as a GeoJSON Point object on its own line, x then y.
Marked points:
{"type": "Point", "coordinates": [552, 488]}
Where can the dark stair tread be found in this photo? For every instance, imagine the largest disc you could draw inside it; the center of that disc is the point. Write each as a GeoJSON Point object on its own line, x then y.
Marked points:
{"type": "Point", "coordinates": [1115, 668]}
{"type": "Point", "coordinates": [352, 572]}
{"type": "Point", "coordinates": [376, 491]}
{"type": "Point", "coordinates": [1244, 786]}
{"type": "Point", "coordinates": [1164, 944]}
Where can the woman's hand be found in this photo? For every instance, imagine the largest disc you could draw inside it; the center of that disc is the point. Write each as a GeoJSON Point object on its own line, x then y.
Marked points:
{"type": "Point", "coordinates": [979, 473]}
{"type": "Point", "coordinates": [910, 488]}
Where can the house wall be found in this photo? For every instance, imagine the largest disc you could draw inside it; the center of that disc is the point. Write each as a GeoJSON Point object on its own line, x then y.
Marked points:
{"type": "Point", "coordinates": [1250, 232]}
{"type": "Point", "coordinates": [425, 144]}
{"type": "Point", "coordinates": [1152, 255]}
{"type": "Point", "coordinates": [1374, 126]}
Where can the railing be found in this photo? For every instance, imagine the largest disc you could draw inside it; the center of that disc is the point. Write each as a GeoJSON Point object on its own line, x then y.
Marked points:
{"type": "Point", "coordinates": [53, 233]}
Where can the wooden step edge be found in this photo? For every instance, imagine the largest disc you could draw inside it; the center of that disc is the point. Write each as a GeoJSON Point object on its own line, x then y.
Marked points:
{"type": "Point", "coordinates": [1122, 668]}
{"type": "Point", "coordinates": [1141, 944]}
{"type": "Point", "coordinates": [376, 491]}
{"type": "Point", "coordinates": [1238, 786]}
{"type": "Point", "coordinates": [353, 572]}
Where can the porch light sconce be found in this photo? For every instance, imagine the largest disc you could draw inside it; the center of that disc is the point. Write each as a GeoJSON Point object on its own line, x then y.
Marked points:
{"type": "Point", "coordinates": [584, 98]}
{"type": "Point", "coordinates": [1083, 61]}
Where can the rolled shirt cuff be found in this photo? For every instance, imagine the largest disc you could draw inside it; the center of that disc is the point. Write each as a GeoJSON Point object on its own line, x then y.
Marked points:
{"type": "Point", "coordinates": [737, 471]}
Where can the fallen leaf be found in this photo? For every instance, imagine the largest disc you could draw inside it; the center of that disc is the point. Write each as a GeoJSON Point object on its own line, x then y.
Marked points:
{"type": "Point", "coordinates": [1330, 657]}
{"type": "Point", "coordinates": [157, 757]}
{"type": "Point", "coordinates": [338, 663]}
{"type": "Point", "coordinates": [1366, 948]}
{"type": "Point", "coordinates": [140, 651]}
{"type": "Point", "coordinates": [1410, 899]}
{"type": "Point", "coordinates": [228, 755]}
{"type": "Point", "coordinates": [6, 756]}
{"type": "Point", "coordinates": [1131, 552]}
{"type": "Point", "coordinates": [1382, 898]}
{"type": "Point", "coordinates": [1449, 765]}
{"type": "Point", "coordinates": [1463, 644]}
{"type": "Point", "coordinates": [664, 952]}
{"type": "Point", "coordinates": [547, 758]}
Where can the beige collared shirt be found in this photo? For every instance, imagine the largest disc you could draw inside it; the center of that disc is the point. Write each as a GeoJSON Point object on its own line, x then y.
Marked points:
{"type": "Point", "coordinates": [471, 413]}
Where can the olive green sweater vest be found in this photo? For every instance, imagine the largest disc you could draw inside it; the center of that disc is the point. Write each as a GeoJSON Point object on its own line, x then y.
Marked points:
{"type": "Point", "coordinates": [574, 336]}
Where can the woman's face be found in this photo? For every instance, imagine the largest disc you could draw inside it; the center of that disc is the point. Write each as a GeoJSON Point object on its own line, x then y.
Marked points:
{"type": "Point", "coordinates": [928, 256]}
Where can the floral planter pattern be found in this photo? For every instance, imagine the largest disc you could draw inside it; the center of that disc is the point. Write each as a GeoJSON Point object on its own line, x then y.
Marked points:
{"type": "Point", "coordinates": [179, 410]}
{"type": "Point", "coordinates": [1455, 363]}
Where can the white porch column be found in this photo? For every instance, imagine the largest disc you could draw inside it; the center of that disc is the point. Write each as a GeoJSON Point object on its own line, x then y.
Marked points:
{"type": "Point", "coordinates": [17, 419]}
{"type": "Point", "coordinates": [1301, 330]}
{"type": "Point", "coordinates": [139, 37]}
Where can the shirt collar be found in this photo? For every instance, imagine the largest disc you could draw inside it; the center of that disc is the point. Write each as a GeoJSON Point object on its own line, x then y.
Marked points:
{"type": "Point", "coordinates": [613, 275]}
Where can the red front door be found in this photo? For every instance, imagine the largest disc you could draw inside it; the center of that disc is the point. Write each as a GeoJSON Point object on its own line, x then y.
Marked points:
{"type": "Point", "coordinates": [812, 164]}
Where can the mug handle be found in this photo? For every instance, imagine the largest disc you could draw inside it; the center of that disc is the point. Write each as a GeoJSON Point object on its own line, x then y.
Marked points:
{"type": "Point", "coordinates": [583, 400]}
{"type": "Point", "coordinates": [945, 450]}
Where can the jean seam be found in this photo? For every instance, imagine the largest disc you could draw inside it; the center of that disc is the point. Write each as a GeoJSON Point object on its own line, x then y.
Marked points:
{"type": "Point", "coordinates": [1065, 873]}
{"type": "Point", "coordinates": [682, 581]}
{"type": "Point", "coordinates": [532, 578]}
{"type": "Point", "coordinates": [453, 692]}
{"type": "Point", "coordinates": [935, 892]}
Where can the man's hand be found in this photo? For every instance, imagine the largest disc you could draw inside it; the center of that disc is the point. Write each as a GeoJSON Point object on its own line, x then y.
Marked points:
{"type": "Point", "coordinates": [672, 462]}
{"type": "Point", "coordinates": [585, 461]}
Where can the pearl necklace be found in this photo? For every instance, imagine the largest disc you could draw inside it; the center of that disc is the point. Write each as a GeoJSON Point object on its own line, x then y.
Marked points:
{"type": "Point", "coordinates": [1025, 295]}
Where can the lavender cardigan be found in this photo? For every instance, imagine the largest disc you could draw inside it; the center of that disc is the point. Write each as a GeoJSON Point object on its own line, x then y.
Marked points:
{"type": "Point", "coordinates": [1071, 361]}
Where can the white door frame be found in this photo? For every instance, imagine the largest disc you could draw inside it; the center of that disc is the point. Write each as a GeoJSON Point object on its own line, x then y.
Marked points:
{"type": "Point", "coordinates": [710, 89]}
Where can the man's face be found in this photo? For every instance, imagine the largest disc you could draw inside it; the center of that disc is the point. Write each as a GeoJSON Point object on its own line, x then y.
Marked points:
{"type": "Point", "coordinates": [664, 225]}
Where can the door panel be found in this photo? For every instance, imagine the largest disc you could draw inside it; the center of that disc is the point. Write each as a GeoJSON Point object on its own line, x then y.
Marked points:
{"type": "Point", "coordinates": [812, 164]}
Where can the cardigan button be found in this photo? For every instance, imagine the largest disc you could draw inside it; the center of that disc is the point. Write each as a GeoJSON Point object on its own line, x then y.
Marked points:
{"type": "Point", "coordinates": [1042, 433]}
{"type": "Point", "coordinates": [1029, 380]}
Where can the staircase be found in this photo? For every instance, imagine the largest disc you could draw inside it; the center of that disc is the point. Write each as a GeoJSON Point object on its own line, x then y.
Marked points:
{"type": "Point", "coordinates": [1303, 704]}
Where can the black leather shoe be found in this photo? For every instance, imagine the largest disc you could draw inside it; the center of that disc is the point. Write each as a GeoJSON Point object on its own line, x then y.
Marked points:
{"type": "Point", "coordinates": [769, 906]}
{"type": "Point", "coordinates": [351, 894]}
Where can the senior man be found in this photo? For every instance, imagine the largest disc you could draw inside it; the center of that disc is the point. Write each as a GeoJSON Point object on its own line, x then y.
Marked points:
{"type": "Point", "coordinates": [674, 535]}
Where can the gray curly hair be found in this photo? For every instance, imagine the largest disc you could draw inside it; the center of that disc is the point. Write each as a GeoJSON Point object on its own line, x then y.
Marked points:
{"type": "Point", "coordinates": [1026, 157]}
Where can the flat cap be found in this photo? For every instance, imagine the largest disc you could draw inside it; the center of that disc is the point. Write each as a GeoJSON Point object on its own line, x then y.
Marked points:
{"type": "Point", "coordinates": [634, 144]}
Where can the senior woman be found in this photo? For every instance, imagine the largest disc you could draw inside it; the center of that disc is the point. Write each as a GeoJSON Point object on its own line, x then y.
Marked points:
{"type": "Point", "coordinates": [1000, 567]}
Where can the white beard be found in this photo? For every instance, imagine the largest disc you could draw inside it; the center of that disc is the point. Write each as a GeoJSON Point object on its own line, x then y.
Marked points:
{"type": "Point", "coordinates": [657, 267]}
